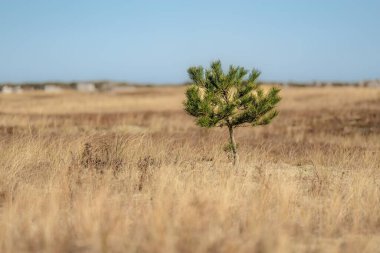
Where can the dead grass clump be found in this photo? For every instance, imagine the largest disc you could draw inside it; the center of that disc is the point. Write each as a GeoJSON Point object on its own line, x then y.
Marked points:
{"type": "Point", "coordinates": [100, 154]}
{"type": "Point", "coordinates": [146, 166]}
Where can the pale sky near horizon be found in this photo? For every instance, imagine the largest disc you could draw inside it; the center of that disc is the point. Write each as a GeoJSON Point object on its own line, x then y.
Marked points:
{"type": "Point", "coordinates": [156, 41]}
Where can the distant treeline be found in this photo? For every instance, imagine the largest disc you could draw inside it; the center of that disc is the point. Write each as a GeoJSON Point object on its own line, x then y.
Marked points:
{"type": "Point", "coordinates": [50, 86]}
{"type": "Point", "coordinates": [366, 83]}
{"type": "Point", "coordinates": [109, 85]}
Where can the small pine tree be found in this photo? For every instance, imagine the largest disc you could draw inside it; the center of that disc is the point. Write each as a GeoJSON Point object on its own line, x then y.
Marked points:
{"type": "Point", "coordinates": [229, 100]}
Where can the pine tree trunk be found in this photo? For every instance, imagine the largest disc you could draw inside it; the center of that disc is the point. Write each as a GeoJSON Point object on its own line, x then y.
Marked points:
{"type": "Point", "coordinates": [235, 156]}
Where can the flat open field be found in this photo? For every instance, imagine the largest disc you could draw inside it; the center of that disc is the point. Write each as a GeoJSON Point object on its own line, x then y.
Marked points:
{"type": "Point", "coordinates": [130, 172]}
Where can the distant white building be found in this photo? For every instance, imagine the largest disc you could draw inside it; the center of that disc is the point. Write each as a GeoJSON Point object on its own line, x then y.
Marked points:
{"type": "Point", "coordinates": [373, 83]}
{"type": "Point", "coordinates": [11, 89]}
{"type": "Point", "coordinates": [52, 89]}
{"type": "Point", "coordinates": [86, 87]}
{"type": "Point", "coordinates": [285, 84]}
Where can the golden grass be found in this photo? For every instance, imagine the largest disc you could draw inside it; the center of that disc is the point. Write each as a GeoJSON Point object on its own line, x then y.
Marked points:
{"type": "Point", "coordinates": [131, 173]}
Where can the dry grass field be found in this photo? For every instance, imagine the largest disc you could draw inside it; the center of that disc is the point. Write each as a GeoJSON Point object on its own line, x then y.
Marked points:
{"type": "Point", "coordinates": [130, 172]}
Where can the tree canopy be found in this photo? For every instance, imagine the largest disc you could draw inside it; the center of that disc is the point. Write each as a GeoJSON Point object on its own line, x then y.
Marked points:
{"type": "Point", "coordinates": [229, 99]}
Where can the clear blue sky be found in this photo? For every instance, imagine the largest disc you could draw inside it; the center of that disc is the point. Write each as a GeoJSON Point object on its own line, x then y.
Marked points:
{"type": "Point", "coordinates": [155, 41]}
